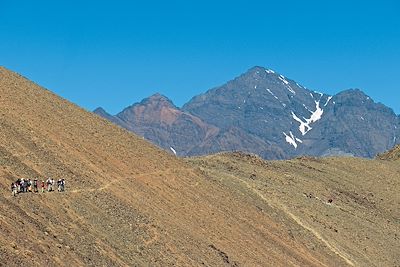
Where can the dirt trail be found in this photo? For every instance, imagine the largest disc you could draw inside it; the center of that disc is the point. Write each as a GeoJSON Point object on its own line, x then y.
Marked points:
{"type": "Point", "coordinates": [282, 207]}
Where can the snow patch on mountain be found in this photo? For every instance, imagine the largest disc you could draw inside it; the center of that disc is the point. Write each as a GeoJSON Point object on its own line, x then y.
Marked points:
{"type": "Point", "coordinates": [286, 83]}
{"type": "Point", "coordinates": [321, 94]}
{"type": "Point", "coordinates": [305, 123]}
{"type": "Point", "coordinates": [173, 150]}
{"type": "Point", "coordinates": [269, 91]}
{"type": "Point", "coordinates": [307, 108]}
{"type": "Point", "coordinates": [283, 79]}
{"type": "Point", "coordinates": [327, 101]}
{"type": "Point", "coordinates": [292, 140]}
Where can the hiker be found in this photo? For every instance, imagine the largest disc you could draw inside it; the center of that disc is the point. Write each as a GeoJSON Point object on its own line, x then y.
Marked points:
{"type": "Point", "coordinates": [18, 185]}
{"type": "Point", "coordinates": [35, 185]}
{"type": "Point", "coordinates": [14, 189]}
{"type": "Point", "coordinates": [42, 186]}
{"type": "Point", "coordinates": [59, 185]}
{"type": "Point", "coordinates": [62, 184]}
{"type": "Point", "coordinates": [49, 187]}
{"type": "Point", "coordinates": [23, 185]}
{"type": "Point", "coordinates": [29, 185]}
{"type": "Point", "coordinates": [22, 182]}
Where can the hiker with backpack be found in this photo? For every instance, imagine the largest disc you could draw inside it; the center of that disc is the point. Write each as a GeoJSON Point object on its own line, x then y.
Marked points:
{"type": "Point", "coordinates": [18, 184]}
{"type": "Point", "coordinates": [14, 189]}
{"type": "Point", "coordinates": [22, 186]}
{"type": "Point", "coordinates": [43, 186]}
{"type": "Point", "coordinates": [29, 185]}
{"type": "Point", "coordinates": [35, 185]}
{"type": "Point", "coordinates": [49, 185]}
{"type": "Point", "coordinates": [62, 184]}
{"type": "Point", "coordinates": [59, 185]}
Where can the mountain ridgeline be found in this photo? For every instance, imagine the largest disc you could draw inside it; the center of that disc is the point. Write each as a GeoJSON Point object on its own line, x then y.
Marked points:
{"type": "Point", "coordinates": [265, 113]}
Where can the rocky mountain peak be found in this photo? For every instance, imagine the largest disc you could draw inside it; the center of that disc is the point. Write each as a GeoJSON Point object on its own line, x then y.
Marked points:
{"type": "Point", "coordinates": [100, 111]}
{"type": "Point", "coordinates": [353, 93]}
{"type": "Point", "coordinates": [272, 115]}
{"type": "Point", "coordinates": [158, 100]}
{"type": "Point", "coordinates": [256, 75]}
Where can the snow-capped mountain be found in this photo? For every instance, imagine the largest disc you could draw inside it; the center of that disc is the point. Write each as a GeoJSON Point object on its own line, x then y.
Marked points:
{"type": "Point", "coordinates": [266, 113]}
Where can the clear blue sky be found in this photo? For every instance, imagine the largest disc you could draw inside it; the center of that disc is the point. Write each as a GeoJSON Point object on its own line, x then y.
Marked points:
{"type": "Point", "coordinates": [114, 53]}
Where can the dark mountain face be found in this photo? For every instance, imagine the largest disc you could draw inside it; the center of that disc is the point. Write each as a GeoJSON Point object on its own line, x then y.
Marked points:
{"type": "Point", "coordinates": [262, 103]}
{"type": "Point", "coordinates": [158, 120]}
{"type": "Point", "coordinates": [352, 125]}
{"type": "Point", "coordinates": [266, 113]}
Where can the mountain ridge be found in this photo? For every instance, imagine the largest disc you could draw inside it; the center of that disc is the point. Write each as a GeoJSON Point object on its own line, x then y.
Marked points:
{"type": "Point", "coordinates": [282, 118]}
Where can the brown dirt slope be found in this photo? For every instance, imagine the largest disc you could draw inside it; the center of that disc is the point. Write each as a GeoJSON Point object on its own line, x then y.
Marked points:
{"type": "Point", "coordinates": [127, 203]}
{"type": "Point", "coordinates": [351, 206]}
{"type": "Point", "coordinates": [393, 154]}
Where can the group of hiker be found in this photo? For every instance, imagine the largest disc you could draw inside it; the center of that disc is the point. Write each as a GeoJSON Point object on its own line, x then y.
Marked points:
{"type": "Point", "coordinates": [27, 185]}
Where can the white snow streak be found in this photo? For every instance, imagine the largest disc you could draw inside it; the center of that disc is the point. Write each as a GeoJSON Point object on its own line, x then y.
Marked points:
{"type": "Point", "coordinates": [269, 91]}
{"type": "Point", "coordinates": [269, 71]}
{"type": "Point", "coordinates": [305, 124]}
{"type": "Point", "coordinates": [327, 101]}
{"type": "Point", "coordinates": [283, 79]}
{"type": "Point", "coordinates": [173, 150]}
{"type": "Point", "coordinates": [291, 89]}
{"type": "Point", "coordinates": [321, 94]}
{"type": "Point", "coordinates": [291, 139]}
{"type": "Point", "coordinates": [307, 108]}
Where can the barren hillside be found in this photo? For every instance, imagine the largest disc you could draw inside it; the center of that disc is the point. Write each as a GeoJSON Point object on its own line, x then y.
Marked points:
{"type": "Point", "coordinates": [393, 154]}
{"type": "Point", "coordinates": [128, 203]}
{"type": "Point", "coordinates": [351, 206]}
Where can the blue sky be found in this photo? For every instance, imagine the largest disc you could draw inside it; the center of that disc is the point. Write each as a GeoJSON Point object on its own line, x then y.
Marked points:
{"type": "Point", "coordinates": [114, 53]}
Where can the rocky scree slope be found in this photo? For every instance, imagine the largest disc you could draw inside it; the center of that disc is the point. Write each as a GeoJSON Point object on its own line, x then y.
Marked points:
{"type": "Point", "coordinates": [264, 112]}
{"type": "Point", "coordinates": [127, 203]}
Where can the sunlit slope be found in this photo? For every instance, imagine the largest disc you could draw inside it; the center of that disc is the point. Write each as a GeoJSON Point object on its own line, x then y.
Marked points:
{"type": "Point", "coordinates": [352, 206]}
{"type": "Point", "coordinates": [393, 154]}
{"type": "Point", "coordinates": [126, 203]}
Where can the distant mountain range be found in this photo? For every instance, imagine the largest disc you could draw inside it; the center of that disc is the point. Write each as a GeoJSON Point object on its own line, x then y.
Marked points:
{"type": "Point", "coordinates": [265, 113]}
